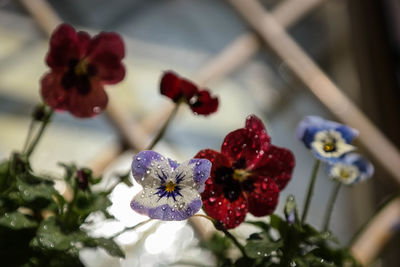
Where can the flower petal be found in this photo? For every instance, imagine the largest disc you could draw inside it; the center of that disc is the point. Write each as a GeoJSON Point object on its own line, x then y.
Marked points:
{"type": "Point", "coordinates": [264, 198]}
{"type": "Point", "coordinates": [217, 159]}
{"type": "Point", "coordinates": [149, 168]}
{"type": "Point", "coordinates": [231, 214]}
{"type": "Point", "coordinates": [52, 92]}
{"type": "Point", "coordinates": [170, 86]}
{"type": "Point", "coordinates": [202, 103]}
{"type": "Point", "coordinates": [193, 173]}
{"type": "Point", "coordinates": [244, 147]}
{"type": "Point", "coordinates": [148, 203]}
{"type": "Point", "coordinates": [277, 163]}
{"type": "Point", "coordinates": [89, 104]}
{"type": "Point", "coordinates": [64, 46]}
{"type": "Point", "coordinates": [105, 52]}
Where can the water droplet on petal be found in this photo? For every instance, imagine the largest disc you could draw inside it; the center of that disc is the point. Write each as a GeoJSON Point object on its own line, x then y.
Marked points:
{"type": "Point", "coordinates": [96, 109]}
{"type": "Point", "coordinates": [138, 159]}
{"type": "Point", "coordinates": [212, 199]}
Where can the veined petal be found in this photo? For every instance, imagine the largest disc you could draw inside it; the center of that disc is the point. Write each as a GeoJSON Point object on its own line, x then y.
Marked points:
{"type": "Point", "coordinates": [150, 168]}
{"type": "Point", "coordinates": [193, 173]}
{"type": "Point", "coordinates": [148, 203]}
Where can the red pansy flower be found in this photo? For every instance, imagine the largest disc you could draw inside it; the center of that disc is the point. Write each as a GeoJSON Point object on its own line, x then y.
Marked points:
{"type": "Point", "coordinates": [80, 66]}
{"type": "Point", "coordinates": [179, 89]}
{"type": "Point", "coordinates": [246, 176]}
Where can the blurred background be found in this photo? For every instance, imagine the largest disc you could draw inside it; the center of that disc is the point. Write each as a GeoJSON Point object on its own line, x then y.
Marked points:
{"type": "Point", "coordinates": [357, 43]}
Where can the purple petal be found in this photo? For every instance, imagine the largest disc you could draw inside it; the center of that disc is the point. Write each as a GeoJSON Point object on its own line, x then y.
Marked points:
{"type": "Point", "coordinates": [201, 170]}
{"type": "Point", "coordinates": [167, 213]}
{"type": "Point", "coordinates": [141, 163]}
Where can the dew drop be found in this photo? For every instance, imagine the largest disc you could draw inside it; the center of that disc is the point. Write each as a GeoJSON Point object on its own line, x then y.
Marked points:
{"type": "Point", "coordinates": [163, 207]}
{"type": "Point", "coordinates": [139, 166]}
{"type": "Point", "coordinates": [198, 163]}
{"type": "Point", "coordinates": [258, 252]}
{"type": "Point", "coordinates": [96, 109]}
{"type": "Point", "coordinates": [138, 159]}
{"type": "Point", "coordinates": [212, 199]}
{"type": "Point", "coordinates": [148, 172]}
{"type": "Point", "coordinates": [219, 203]}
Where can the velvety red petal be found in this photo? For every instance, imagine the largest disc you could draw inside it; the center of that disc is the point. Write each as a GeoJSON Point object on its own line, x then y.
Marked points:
{"type": "Point", "coordinates": [64, 46]}
{"type": "Point", "coordinates": [231, 214]}
{"type": "Point", "coordinates": [188, 89]}
{"type": "Point", "coordinates": [278, 164]}
{"type": "Point", "coordinates": [253, 123]}
{"type": "Point", "coordinates": [105, 52]}
{"type": "Point", "coordinates": [264, 198]}
{"type": "Point", "coordinates": [90, 104]}
{"type": "Point", "coordinates": [203, 104]}
{"type": "Point", "coordinates": [216, 158]}
{"type": "Point", "coordinates": [52, 92]}
{"type": "Point", "coordinates": [170, 86]}
{"type": "Point", "coordinates": [244, 146]}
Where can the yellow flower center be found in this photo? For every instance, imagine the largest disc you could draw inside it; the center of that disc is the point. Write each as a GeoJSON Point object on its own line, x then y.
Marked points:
{"type": "Point", "coordinates": [329, 146]}
{"type": "Point", "coordinates": [81, 68]}
{"type": "Point", "coordinates": [241, 175]}
{"type": "Point", "coordinates": [170, 187]}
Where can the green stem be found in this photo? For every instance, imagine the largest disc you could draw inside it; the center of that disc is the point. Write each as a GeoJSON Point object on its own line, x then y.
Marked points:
{"type": "Point", "coordinates": [310, 190]}
{"type": "Point", "coordinates": [131, 228]}
{"type": "Point", "coordinates": [29, 135]}
{"type": "Point", "coordinates": [34, 143]}
{"type": "Point", "coordinates": [163, 128]}
{"type": "Point", "coordinates": [225, 231]}
{"type": "Point", "coordinates": [331, 204]}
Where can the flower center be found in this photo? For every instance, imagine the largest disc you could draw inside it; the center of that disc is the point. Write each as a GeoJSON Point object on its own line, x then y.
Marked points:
{"type": "Point", "coordinates": [240, 175]}
{"type": "Point", "coordinates": [170, 187]}
{"type": "Point", "coordinates": [329, 146]}
{"type": "Point", "coordinates": [234, 182]}
{"type": "Point", "coordinates": [81, 69]}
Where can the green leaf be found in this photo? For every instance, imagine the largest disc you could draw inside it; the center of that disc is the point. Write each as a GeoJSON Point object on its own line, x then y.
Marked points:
{"type": "Point", "coordinates": [16, 221]}
{"type": "Point", "coordinates": [51, 237]}
{"type": "Point", "coordinates": [315, 237]}
{"type": "Point", "coordinates": [29, 192]}
{"type": "Point", "coordinates": [260, 245]}
{"type": "Point", "coordinates": [108, 244]}
{"type": "Point", "coordinates": [4, 175]}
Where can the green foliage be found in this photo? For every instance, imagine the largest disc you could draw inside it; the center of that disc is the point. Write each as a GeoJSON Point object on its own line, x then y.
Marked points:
{"type": "Point", "coordinates": [286, 242]}
{"type": "Point", "coordinates": [38, 226]}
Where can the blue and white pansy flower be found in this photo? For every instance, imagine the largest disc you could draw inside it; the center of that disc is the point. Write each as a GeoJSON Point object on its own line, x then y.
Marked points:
{"type": "Point", "coordinates": [329, 140]}
{"type": "Point", "coordinates": [171, 191]}
{"type": "Point", "coordinates": [352, 168]}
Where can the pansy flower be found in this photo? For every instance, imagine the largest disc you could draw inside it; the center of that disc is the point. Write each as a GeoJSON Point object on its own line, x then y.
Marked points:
{"type": "Point", "coordinates": [179, 89]}
{"type": "Point", "coordinates": [80, 66]}
{"type": "Point", "coordinates": [171, 191]}
{"type": "Point", "coordinates": [246, 176]}
{"type": "Point", "coordinates": [327, 139]}
{"type": "Point", "coordinates": [351, 169]}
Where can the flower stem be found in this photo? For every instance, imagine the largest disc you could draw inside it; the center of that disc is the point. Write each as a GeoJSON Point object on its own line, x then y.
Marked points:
{"type": "Point", "coordinates": [29, 135]}
{"type": "Point", "coordinates": [310, 190]}
{"type": "Point", "coordinates": [130, 228]}
{"type": "Point", "coordinates": [35, 141]}
{"type": "Point", "coordinates": [331, 204]}
{"type": "Point", "coordinates": [163, 128]}
{"type": "Point", "coordinates": [221, 228]}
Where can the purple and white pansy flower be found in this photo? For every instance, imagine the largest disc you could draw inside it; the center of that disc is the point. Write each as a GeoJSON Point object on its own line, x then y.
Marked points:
{"type": "Point", "coordinates": [171, 191]}
{"type": "Point", "coordinates": [351, 169]}
{"type": "Point", "coordinates": [328, 140]}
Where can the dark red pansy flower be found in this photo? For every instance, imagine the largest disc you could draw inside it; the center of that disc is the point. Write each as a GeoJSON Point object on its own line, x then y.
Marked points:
{"type": "Point", "coordinates": [246, 176]}
{"type": "Point", "coordinates": [179, 89]}
{"type": "Point", "coordinates": [80, 66]}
